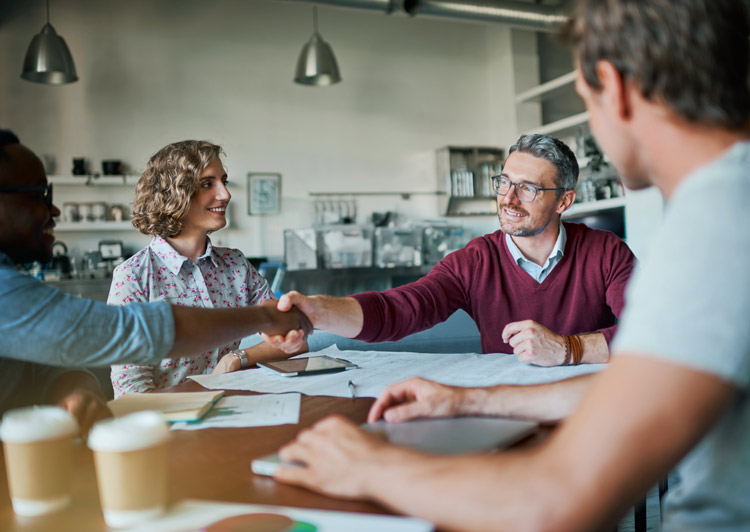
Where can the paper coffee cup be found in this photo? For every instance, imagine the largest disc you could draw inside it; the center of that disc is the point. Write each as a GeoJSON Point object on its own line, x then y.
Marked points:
{"type": "Point", "coordinates": [38, 446]}
{"type": "Point", "coordinates": [130, 454]}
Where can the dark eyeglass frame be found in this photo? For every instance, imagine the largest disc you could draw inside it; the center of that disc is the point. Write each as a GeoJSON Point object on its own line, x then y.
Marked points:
{"type": "Point", "coordinates": [496, 180]}
{"type": "Point", "coordinates": [46, 189]}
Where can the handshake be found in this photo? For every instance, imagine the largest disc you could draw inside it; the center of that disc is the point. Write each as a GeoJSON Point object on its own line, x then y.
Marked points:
{"type": "Point", "coordinates": [297, 315]}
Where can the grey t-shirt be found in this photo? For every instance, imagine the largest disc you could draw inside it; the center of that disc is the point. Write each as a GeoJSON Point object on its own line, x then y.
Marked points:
{"type": "Point", "coordinates": [689, 303]}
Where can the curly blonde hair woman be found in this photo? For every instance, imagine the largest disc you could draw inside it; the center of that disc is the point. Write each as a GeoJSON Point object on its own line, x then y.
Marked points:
{"type": "Point", "coordinates": [165, 189]}
{"type": "Point", "coordinates": [181, 198]}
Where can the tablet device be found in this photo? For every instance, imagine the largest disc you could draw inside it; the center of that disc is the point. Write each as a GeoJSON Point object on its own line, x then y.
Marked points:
{"type": "Point", "coordinates": [458, 435]}
{"type": "Point", "coordinates": [294, 367]}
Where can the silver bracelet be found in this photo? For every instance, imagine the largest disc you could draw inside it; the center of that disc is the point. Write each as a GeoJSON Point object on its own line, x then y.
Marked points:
{"type": "Point", "coordinates": [241, 355]}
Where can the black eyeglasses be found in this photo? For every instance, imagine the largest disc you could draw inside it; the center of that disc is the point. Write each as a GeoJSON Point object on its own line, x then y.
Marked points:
{"type": "Point", "coordinates": [524, 191]}
{"type": "Point", "coordinates": [46, 191]}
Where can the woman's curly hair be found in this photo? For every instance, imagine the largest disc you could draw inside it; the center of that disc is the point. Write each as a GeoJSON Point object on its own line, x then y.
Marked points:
{"type": "Point", "coordinates": [169, 183]}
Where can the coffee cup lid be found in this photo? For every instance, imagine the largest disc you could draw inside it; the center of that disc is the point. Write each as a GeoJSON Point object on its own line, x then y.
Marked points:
{"type": "Point", "coordinates": [35, 423]}
{"type": "Point", "coordinates": [128, 433]}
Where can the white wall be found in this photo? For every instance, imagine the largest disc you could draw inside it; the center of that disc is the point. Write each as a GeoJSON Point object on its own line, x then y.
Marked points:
{"type": "Point", "coordinates": [156, 71]}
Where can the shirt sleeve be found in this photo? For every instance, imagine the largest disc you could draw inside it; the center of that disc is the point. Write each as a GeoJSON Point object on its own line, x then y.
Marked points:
{"type": "Point", "coordinates": [258, 288]}
{"type": "Point", "coordinates": [399, 312]}
{"type": "Point", "coordinates": [125, 289]}
{"type": "Point", "coordinates": [39, 323]}
{"type": "Point", "coordinates": [689, 301]}
{"type": "Point", "coordinates": [616, 277]}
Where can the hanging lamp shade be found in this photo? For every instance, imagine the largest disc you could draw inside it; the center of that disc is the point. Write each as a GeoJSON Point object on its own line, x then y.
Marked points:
{"type": "Point", "coordinates": [316, 64]}
{"type": "Point", "coordinates": [48, 58]}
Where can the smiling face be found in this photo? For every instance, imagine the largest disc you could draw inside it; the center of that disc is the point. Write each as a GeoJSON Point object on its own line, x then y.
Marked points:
{"type": "Point", "coordinates": [25, 220]}
{"type": "Point", "coordinates": [518, 218]}
{"type": "Point", "coordinates": [208, 208]}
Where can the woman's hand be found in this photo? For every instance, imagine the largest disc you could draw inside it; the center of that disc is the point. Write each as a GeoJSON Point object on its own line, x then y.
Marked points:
{"type": "Point", "coordinates": [227, 364]}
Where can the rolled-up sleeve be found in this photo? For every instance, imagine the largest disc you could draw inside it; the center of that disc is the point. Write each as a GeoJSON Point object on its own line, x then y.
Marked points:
{"type": "Point", "coordinates": [41, 324]}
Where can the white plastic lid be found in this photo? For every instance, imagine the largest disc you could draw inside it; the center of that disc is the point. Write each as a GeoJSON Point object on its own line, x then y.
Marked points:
{"type": "Point", "coordinates": [36, 423]}
{"type": "Point", "coordinates": [128, 433]}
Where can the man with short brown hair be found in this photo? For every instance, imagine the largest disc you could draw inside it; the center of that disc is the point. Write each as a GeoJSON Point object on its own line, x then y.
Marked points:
{"type": "Point", "coordinates": [666, 84]}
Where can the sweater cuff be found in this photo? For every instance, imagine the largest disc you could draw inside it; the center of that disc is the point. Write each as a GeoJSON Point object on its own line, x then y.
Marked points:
{"type": "Point", "coordinates": [372, 314]}
{"type": "Point", "coordinates": [609, 334]}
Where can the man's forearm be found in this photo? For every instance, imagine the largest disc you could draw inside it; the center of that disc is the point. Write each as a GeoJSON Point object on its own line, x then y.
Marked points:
{"type": "Point", "coordinates": [337, 315]}
{"type": "Point", "coordinates": [462, 493]}
{"type": "Point", "coordinates": [198, 330]}
{"type": "Point", "coordinates": [595, 348]}
{"type": "Point", "coordinates": [548, 402]}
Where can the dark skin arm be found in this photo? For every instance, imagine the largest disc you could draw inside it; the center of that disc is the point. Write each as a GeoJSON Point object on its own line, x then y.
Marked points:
{"type": "Point", "coordinates": [198, 330]}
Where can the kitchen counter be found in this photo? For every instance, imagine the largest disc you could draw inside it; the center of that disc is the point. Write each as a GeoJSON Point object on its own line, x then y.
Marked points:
{"type": "Point", "coordinates": [96, 289]}
{"type": "Point", "coordinates": [347, 281]}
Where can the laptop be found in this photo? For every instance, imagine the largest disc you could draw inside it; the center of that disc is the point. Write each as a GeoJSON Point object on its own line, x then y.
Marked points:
{"type": "Point", "coordinates": [460, 435]}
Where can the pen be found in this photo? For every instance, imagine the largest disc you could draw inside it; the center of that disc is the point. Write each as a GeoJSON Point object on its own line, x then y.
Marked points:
{"type": "Point", "coordinates": [352, 390]}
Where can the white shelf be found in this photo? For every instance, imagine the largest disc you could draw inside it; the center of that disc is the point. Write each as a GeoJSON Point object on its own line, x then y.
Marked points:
{"type": "Point", "coordinates": [579, 209]}
{"type": "Point", "coordinates": [90, 180]}
{"type": "Point", "coordinates": [546, 90]}
{"type": "Point", "coordinates": [95, 226]}
{"type": "Point", "coordinates": [562, 125]}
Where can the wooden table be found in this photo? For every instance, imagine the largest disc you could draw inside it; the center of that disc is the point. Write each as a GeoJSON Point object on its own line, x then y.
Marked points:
{"type": "Point", "coordinates": [210, 464]}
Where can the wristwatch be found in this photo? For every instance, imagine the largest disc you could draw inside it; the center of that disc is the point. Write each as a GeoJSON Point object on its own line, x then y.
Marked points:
{"type": "Point", "coordinates": [241, 355]}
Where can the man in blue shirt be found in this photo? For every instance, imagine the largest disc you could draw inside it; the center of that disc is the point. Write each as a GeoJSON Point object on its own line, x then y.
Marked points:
{"type": "Point", "coordinates": [52, 330]}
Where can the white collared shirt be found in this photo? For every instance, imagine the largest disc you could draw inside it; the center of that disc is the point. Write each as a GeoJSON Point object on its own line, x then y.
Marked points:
{"type": "Point", "coordinates": [539, 273]}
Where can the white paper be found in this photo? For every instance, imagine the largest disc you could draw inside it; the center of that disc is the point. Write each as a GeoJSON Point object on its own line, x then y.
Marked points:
{"type": "Point", "coordinates": [248, 411]}
{"type": "Point", "coordinates": [195, 515]}
{"type": "Point", "coordinates": [379, 369]}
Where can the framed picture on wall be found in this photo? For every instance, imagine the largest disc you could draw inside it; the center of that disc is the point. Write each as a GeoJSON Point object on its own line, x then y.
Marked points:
{"type": "Point", "coordinates": [263, 193]}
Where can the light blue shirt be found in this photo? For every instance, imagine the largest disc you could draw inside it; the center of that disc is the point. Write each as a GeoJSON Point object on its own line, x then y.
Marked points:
{"type": "Point", "coordinates": [539, 273]}
{"type": "Point", "coordinates": [41, 324]}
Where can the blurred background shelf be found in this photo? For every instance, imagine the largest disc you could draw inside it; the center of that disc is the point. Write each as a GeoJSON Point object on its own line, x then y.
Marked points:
{"type": "Point", "coordinates": [95, 226]}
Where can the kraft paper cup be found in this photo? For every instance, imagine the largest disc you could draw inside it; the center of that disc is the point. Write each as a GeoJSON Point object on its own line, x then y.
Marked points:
{"type": "Point", "coordinates": [38, 446]}
{"type": "Point", "coordinates": [130, 454]}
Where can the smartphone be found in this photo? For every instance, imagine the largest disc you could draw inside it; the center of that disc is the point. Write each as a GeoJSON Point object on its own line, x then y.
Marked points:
{"type": "Point", "coordinates": [307, 366]}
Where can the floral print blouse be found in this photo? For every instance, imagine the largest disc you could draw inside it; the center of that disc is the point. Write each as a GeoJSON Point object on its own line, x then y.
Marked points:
{"type": "Point", "coordinates": [221, 278]}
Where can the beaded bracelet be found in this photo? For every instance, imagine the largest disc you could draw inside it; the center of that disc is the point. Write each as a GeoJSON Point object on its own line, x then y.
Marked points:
{"type": "Point", "coordinates": [567, 350]}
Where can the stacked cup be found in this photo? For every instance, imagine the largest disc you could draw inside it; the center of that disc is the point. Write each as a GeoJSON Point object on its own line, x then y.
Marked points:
{"type": "Point", "coordinates": [38, 446]}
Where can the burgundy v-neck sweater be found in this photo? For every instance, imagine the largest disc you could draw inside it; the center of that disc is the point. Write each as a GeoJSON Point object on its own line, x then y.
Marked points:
{"type": "Point", "coordinates": [583, 293]}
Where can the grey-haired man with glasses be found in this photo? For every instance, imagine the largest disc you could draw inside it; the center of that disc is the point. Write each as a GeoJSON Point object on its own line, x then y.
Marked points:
{"type": "Point", "coordinates": [547, 291]}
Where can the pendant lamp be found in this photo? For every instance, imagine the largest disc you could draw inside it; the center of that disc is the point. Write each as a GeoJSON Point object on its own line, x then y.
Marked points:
{"type": "Point", "coordinates": [48, 58]}
{"type": "Point", "coordinates": [316, 64]}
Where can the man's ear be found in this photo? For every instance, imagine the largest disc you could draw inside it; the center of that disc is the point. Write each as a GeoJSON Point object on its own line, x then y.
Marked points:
{"type": "Point", "coordinates": [565, 201]}
{"type": "Point", "coordinates": [613, 89]}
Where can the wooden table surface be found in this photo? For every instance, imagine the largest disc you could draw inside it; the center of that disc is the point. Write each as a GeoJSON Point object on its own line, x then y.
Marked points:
{"type": "Point", "coordinates": [210, 464]}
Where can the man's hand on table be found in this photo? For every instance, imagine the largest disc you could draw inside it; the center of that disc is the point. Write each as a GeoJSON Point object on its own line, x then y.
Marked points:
{"type": "Point", "coordinates": [535, 343]}
{"type": "Point", "coordinates": [339, 458]}
{"type": "Point", "coordinates": [79, 393]}
{"type": "Point", "coordinates": [416, 398]}
{"type": "Point", "coordinates": [87, 407]}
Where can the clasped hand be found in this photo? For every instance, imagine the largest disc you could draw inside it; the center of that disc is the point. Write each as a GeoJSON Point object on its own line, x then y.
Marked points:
{"type": "Point", "coordinates": [288, 326]}
{"type": "Point", "coordinates": [291, 342]}
{"type": "Point", "coordinates": [535, 343]}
